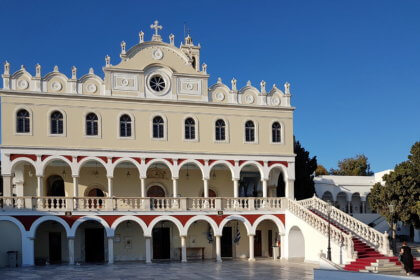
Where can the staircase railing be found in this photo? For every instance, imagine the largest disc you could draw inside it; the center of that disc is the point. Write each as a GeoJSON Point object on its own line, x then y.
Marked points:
{"type": "Point", "coordinates": [337, 236]}
{"type": "Point", "coordinates": [369, 235]}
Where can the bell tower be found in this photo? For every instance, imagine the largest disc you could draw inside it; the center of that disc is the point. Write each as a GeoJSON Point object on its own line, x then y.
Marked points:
{"type": "Point", "coordinates": [192, 51]}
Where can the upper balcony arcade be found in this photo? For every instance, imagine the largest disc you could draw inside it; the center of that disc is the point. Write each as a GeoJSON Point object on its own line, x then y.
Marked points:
{"type": "Point", "coordinates": [113, 183]}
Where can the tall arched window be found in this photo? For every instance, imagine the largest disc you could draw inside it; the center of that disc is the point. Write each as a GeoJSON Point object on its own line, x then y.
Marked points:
{"type": "Point", "coordinates": [189, 129]}
{"type": "Point", "coordinates": [220, 130]}
{"type": "Point", "coordinates": [249, 131]}
{"type": "Point", "coordinates": [276, 132]}
{"type": "Point", "coordinates": [125, 126]}
{"type": "Point", "coordinates": [57, 123]}
{"type": "Point", "coordinates": [91, 124]}
{"type": "Point", "coordinates": [158, 127]}
{"type": "Point", "coordinates": [23, 121]}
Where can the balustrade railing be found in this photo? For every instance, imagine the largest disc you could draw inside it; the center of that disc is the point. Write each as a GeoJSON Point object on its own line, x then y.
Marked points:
{"type": "Point", "coordinates": [141, 204]}
{"type": "Point", "coordinates": [368, 234]}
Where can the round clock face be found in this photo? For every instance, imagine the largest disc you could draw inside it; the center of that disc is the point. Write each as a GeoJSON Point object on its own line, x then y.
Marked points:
{"type": "Point", "coordinates": [157, 54]}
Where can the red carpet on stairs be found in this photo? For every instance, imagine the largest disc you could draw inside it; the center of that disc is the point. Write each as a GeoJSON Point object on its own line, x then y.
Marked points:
{"type": "Point", "coordinates": [366, 254]}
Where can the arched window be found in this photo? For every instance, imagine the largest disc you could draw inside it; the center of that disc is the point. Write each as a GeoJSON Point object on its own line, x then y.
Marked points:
{"type": "Point", "coordinates": [91, 124]}
{"type": "Point", "coordinates": [249, 131]}
{"type": "Point", "coordinates": [158, 127]}
{"type": "Point", "coordinates": [23, 122]}
{"type": "Point", "coordinates": [276, 132]}
{"type": "Point", "coordinates": [56, 123]}
{"type": "Point", "coordinates": [125, 126]}
{"type": "Point", "coordinates": [189, 129]}
{"type": "Point", "coordinates": [220, 130]}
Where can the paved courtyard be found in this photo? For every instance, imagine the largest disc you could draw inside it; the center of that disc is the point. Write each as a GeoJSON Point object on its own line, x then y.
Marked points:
{"type": "Point", "coordinates": [261, 269]}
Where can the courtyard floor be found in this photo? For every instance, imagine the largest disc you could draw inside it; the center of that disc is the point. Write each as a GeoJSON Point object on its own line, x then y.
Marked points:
{"type": "Point", "coordinates": [238, 269]}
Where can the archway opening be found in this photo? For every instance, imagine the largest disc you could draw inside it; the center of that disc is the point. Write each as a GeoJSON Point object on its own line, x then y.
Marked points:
{"type": "Point", "coordinates": [190, 182]}
{"type": "Point", "coordinates": [201, 243]}
{"type": "Point", "coordinates": [58, 178]}
{"type": "Point", "coordinates": [25, 180]}
{"type": "Point", "coordinates": [276, 183]}
{"type": "Point", "coordinates": [341, 202]}
{"type": "Point", "coordinates": [93, 175]}
{"type": "Point", "coordinates": [267, 239]}
{"type": "Point", "coordinates": [129, 242]}
{"type": "Point", "coordinates": [55, 186]}
{"type": "Point", "coordinates": [327, 196]}
{"type": "Point", "coordinates": [220, 181]}
{"type": "Point", "coordinates": [159, 180]}
{"type": "Point", "coordinates": [234, 241]}
{"type": "Point", "coordinates": [127, 178]}
{"type": "Point", "coordinates": [250, 182]}
{"type": "Point", "coordinates": [166, 241]}
{"type": "Point", "coordinates": [296, 244]}
{"type": "Point", "coordinates": [10, 232]}
{"type": "Point", "coordinates": [356, 203]}
{"type": "Point", "coordinates": [51, 244]}
{"type": "Point", "coordinates": [90, 242]}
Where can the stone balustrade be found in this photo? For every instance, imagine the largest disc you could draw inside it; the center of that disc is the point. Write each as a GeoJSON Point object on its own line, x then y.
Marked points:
{"type": "Point", "coordinates": [369, 235]}
{"type": "Point", "coordinates": [29, 203]}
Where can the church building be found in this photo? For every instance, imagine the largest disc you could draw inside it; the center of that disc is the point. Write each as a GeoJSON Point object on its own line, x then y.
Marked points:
{"type": "Point", "coordinates": [149, 162]}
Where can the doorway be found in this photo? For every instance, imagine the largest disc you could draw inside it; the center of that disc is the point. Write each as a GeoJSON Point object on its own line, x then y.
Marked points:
{"type": "Point", "coordinates": [270, 243]}
{"type": "Point", "coordinates": [257, 244]}
{"type": "Point", "coordinates": [161, 243]}
{"type": "Point", "coordinates": [94, 245]}
{"type": "Point", "coordinates": [226, 242]}
{"type": "Point", "coordinates": [54, 245]}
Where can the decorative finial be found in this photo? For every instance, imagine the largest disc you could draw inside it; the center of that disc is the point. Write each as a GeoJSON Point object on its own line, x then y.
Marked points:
{"type": "Point", "coordinates": [274, 86]}
{"type": "Point", "coordinates": [188, 40]}
{"type": "Point", "coordinates": [107, 61]}
{"type": "Point", "coordinates": [262, 84]}
{"type": "Point", "coordinates": [204, 66]}
{"type": "Point", "coordinates": [91, 70]}
{"type": "Point", "coordinates": [141, 37]}
{"type": "Point", "coordinates": [123, 47]}
{"type": "Point", "coordinates": [248, 83]}
{"type": "Point", "coordinates": [233, 81]}
{"type": "Point", "coordinates": [172, 39]}
{"type": "Point", "coordinates": [22, 67]}
{"type": "Point", "coordinates": [55, 69]}
{"type": "Point", "coordinates": [6, 68]}
{"type": "Point", "coordinates": [219, 80]}
{"type": "Point", "coordinates": [37, 70]}
{"type": "Point", "coordinates": [156, 27]}
{"type": "Point", "coordinates": [287, 88]}
{"type": "Point", "coordinates": [74, 72]}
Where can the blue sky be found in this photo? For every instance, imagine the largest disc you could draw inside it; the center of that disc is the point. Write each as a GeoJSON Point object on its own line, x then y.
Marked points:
{"type": "Point", "coordinates": [354, 66]}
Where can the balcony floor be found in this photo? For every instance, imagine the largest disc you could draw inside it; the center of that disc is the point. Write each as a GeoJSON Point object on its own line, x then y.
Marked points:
{"type": "Point", "coordinates": [237, 269]}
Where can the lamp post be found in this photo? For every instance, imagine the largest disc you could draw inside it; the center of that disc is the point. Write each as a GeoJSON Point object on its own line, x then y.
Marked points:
{"type": "Point", "coordinates": [329, 209]}
{"type": "Point", "coordinates": [391, 208]}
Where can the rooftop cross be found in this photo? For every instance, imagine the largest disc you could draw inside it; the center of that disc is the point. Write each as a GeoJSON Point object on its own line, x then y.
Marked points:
{"type": "Point", "coordinates": [156, 27]}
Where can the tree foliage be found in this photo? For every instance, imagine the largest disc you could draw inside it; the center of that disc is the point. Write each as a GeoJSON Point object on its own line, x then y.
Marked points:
{"type": "Point", "coordinates": [355, 166]}
{"type": "Point", "coordinates": [305, 167]}
{"type": "Point", "coordinates": [401, 188]}
{"type": "Point", "coordinates": [321, 170]}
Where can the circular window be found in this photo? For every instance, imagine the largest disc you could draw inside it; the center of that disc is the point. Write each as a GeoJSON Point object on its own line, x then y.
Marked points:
{"type": "Point", "coordinates": [157, 83]}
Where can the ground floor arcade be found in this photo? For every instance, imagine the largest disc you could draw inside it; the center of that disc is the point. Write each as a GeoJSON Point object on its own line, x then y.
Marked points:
{"type": "Point", "coordinates": [149, 238]}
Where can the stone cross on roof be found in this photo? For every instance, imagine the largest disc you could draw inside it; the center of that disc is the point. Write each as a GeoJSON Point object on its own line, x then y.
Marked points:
{"type": "Point", "coordinates": [156, 27]}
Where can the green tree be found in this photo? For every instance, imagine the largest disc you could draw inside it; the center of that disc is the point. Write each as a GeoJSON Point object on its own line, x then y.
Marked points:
{"type": "Point", "coordinates": [305, 167]}
{"type": "Point", "coordinates": [321, 170]}
{"type": "Point", "coordinates": [401, 188]}
{"type": "Point", "coordinates": [356, 166]}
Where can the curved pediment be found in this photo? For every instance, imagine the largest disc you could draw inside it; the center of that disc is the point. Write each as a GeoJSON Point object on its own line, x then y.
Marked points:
{"type": "Point", "coordinates": [145, 54]}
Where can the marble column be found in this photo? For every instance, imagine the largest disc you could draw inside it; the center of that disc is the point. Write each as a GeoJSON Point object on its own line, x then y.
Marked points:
{"type": "Point", "coordinates": [71, 249]}
{"type": "Point", "coordinates": [110, 250]}
{"type": "Point", "coordinates": [183, 249]}
{"type": "Point", "coordinates": [148, 249]}
{"type": "Point", "coordinates": [206, 187]}
{"type": "Point", "coordinates": [110, 193]}
{"type": "Point", "coordinates": [75, 186]}
{"type": "Point", "coordinates": [175, 187]}
{"type": "Point", "coordinates": [28, 255]}
{"type": "Point", "coordinates": [290, 189]}
{"type": "Point", "coordinates": [143, 187]}
{"type": "Point", "coordinates": [251, 248]}
{"type": "Point", "coordinates": [218, 248]}
{"type": "Point", "coordinates": [40, 188]}
{"type": "Point", "coordinates": [264, 187]}
{"type": "Point", "coordinates": [235, 188]}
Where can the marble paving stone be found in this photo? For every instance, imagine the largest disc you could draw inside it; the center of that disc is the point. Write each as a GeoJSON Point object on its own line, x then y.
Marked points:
{"type": "Point", "coordinates": [261, 269]}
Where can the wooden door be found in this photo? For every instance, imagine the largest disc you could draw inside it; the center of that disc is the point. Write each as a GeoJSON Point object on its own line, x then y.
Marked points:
{"type": "Point", "coordinates": [257, 244]}
{"type": "Point", "coordinates": [94, 245]}
{"type": "Point", "coordinates": [161, 243]}
{"type": "Point", "coordinates": [226, 242]}
{"type": "Point", "coordinates": [54, 247]}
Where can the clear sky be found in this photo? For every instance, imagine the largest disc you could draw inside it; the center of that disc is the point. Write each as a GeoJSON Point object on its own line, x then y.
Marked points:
{"type": "Point", "coordinates": [354, 66]}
